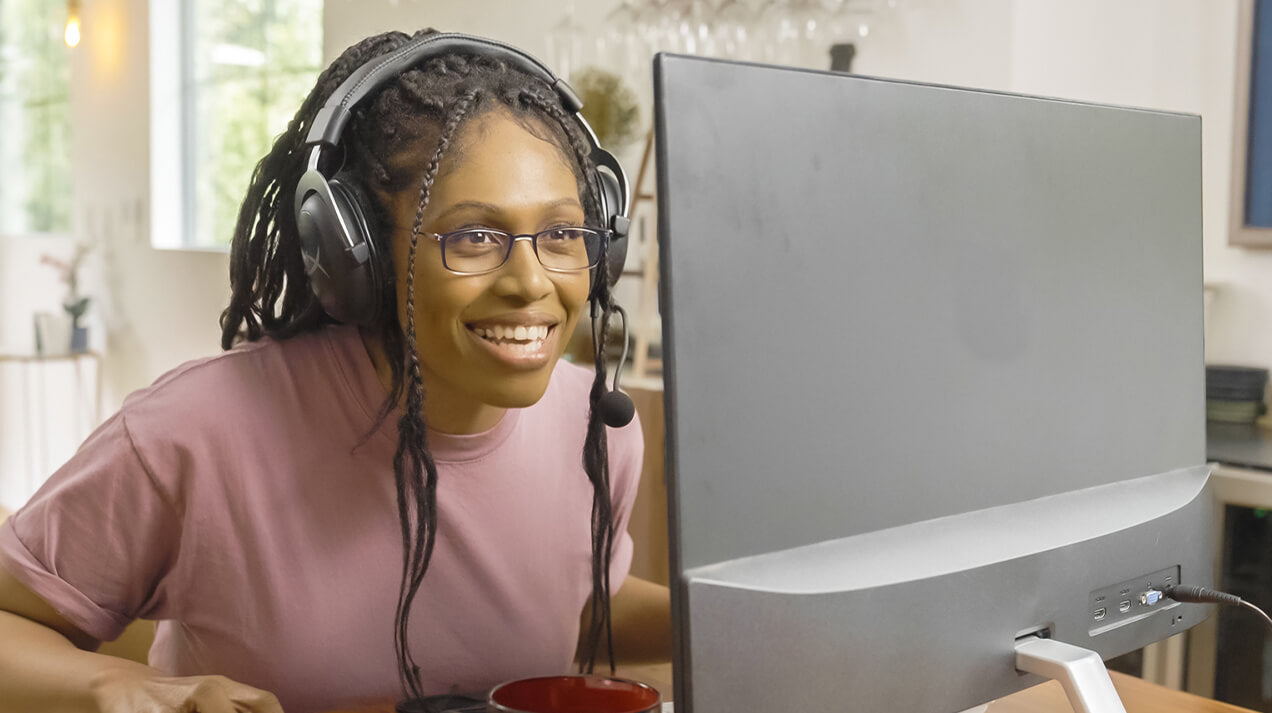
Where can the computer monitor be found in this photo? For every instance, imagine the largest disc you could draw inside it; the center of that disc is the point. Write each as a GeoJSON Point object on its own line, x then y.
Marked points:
{"type": "Point", "coordinates": [934, 384]}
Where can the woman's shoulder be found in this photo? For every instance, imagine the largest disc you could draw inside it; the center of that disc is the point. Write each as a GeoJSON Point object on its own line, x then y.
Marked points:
{"type": "Point", "coordinates": [571, 388]}
{"type": "Point", "coordinates": [250, 376]}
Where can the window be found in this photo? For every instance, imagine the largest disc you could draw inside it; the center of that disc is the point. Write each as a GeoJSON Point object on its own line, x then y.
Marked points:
{"type": "Point", "coordinates": [225, 82]}
{"type": "Point", "coordinates": [35, 108]}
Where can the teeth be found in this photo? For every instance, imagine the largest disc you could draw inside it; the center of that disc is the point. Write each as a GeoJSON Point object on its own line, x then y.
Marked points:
{"type": "Point", "coordinates": [520, 348]}
{"type": "Point", "coordinates": [520, 333]}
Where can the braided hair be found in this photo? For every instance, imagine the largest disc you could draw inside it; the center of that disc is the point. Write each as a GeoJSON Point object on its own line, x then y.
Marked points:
{"type": "Point", "coordinates": [270, 293]}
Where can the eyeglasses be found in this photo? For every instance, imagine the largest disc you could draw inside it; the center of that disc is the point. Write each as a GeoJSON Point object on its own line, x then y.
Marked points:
{"type": "Point", "coordinates": [476, 251]}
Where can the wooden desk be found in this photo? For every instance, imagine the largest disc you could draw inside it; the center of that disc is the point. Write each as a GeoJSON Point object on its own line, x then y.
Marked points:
{"type": "Point", "coordinates": [1137, 695]}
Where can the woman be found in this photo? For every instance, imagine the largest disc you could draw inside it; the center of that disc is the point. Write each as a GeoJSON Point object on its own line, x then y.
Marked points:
{"type": "Point", "coordinates": [325, 514]}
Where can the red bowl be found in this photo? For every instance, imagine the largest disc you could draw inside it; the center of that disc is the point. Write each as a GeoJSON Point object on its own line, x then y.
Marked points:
{"type": "Point", "coordinates": [573, 694]}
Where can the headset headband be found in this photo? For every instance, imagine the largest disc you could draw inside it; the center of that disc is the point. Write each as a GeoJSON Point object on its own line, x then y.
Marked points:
{"type": "Point", "coordinates": [330, 121]}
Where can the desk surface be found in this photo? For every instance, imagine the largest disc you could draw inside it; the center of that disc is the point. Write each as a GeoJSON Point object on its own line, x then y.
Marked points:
{"type": "Point", "coordinates": [1137, 695]}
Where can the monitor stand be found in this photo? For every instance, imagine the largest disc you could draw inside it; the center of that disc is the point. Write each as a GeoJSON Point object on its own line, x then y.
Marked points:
{"type": "Point", "coordinates": [1081, 671]}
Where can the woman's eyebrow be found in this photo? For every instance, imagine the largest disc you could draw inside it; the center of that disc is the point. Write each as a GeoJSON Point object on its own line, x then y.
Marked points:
{"type": "Point", "coordinates": [499, 211]}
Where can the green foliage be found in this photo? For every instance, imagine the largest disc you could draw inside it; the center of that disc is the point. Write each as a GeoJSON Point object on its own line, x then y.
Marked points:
{"type": "Point", "coordinates": [35, 111]}
{"type": "Point", "coordinates": [245, 96]}
{"type": "Point", "coordinates": [76, 308]}
{"type": "Point", "coordinates": [609, 105]}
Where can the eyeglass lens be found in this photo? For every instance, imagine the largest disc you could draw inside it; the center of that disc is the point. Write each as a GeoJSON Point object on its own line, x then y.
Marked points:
{"type": "Point", "coordinates": [484, 250]}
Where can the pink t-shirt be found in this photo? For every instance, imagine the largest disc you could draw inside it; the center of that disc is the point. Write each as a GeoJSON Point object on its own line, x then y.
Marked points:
{"type": "Point", "coordinates": [237, 502]}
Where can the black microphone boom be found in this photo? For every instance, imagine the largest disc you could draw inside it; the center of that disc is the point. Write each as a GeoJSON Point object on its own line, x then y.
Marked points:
{"type": "Point", "coordinates": [615, 406]}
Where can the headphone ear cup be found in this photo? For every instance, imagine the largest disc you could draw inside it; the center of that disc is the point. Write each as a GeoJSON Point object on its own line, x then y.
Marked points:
{"type": "Point", "coordinates": [616, 250]}
{"type": "Point", "coordinates": [339, 253]}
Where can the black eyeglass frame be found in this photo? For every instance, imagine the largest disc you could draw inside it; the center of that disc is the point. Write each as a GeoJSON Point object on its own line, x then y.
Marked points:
{"type": "Point", "coordinates": [604, 234]}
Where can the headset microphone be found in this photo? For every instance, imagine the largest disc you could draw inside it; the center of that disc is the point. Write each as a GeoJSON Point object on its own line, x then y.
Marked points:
{"type": "Point", "coordinates": [617, 409]}
{"type": "Point", "coordinates": [615, 406]}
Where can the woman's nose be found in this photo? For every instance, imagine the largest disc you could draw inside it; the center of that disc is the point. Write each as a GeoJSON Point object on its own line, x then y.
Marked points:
{"type": "Point", "coordinates": [523, 275]}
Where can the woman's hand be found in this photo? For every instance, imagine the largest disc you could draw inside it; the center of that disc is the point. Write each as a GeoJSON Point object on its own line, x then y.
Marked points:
{"type": "Point", "coordinates": [140, 690]}
{"type": "Point", "coordinates": [47, 663]}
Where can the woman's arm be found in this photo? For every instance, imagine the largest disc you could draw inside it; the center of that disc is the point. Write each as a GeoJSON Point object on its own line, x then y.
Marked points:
{"type": "Point", "coordinates": [641, 615]}
{"type": "Point", "coordinates": [47, 665]}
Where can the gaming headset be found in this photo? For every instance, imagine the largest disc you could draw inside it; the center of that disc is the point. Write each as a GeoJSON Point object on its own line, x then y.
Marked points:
{"type": "Point", "coordinates": [332, 214]}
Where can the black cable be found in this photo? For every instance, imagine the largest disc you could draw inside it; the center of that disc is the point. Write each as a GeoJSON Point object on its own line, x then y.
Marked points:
{"type": "Point", "coordinates": [1262, 613]}
{"type": "Point", "coordinates": [1193, 594]}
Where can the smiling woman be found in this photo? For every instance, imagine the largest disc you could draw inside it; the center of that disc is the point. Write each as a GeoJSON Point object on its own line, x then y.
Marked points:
{"type": "Point", "coordinates": [390, 483]}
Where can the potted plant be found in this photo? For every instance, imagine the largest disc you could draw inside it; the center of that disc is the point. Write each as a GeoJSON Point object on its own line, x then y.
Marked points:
{"type": "Point", "coordinates": [74, 303]}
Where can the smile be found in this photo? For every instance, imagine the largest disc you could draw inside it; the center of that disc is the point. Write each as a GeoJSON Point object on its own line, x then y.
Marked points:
{"type": "Point", "coordinates": [523, 344]}
{"type": "Point", "coordinates": [519, 334]}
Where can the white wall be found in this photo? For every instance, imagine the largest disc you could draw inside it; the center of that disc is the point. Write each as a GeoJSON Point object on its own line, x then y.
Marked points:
{"type": "Point", "coordinates": [1178, 55]}
{"type": "Point", "coordinates": [161, 307]}
{"type": "Point", "coordinates": [525, 23]}
{"type": "Point", "coordinates": [1239, 330]}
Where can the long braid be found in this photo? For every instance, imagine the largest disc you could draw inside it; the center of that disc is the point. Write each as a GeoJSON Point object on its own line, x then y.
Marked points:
{"type": "Point", "coordinates": [416, 497]}
{"type": "Point", "coordinates": [417, 502]}
{"type": "Point", "coordinates": [595, 448]}
{"type": "Point", "coordinates": [596, 464]}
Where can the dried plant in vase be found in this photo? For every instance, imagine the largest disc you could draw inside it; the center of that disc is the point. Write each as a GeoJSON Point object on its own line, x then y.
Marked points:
{"type": "Point", "coordinates": [74, 303]}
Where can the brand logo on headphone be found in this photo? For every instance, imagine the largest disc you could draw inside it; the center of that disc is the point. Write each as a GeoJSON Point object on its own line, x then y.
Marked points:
{"type": "Point", "coordinates": [314, 263]}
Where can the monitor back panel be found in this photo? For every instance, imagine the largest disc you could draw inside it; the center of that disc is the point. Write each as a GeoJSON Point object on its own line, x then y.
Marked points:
{"type": "Point", "coordinates": [886, 302]}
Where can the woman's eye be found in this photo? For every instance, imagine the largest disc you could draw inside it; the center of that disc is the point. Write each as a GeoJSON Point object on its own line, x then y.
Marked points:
{"type": "Point", "coordinates": [481, 237]}
{"type": "Point", "coordinates": [563, 233]}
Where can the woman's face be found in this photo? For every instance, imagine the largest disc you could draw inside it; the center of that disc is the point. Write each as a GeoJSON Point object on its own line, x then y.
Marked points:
{"type": "Point", "coordinates": [481, 338]}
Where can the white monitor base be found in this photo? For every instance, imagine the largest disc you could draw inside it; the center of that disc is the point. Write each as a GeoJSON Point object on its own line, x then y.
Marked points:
{"type": "Point", "coordinates": [1081, 671]}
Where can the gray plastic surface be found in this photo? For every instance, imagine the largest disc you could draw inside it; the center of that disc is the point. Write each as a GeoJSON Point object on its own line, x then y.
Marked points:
{"type": "Point", "coordinates": [886, 302]}
{"type": "Point", "coordinates": [931, 629]}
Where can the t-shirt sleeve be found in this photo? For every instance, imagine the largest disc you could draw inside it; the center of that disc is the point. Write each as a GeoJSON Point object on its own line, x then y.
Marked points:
{"type": "Point", "coordinates": [627, 454]}
{"type": "Point", "coordinates": [97, 538]}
